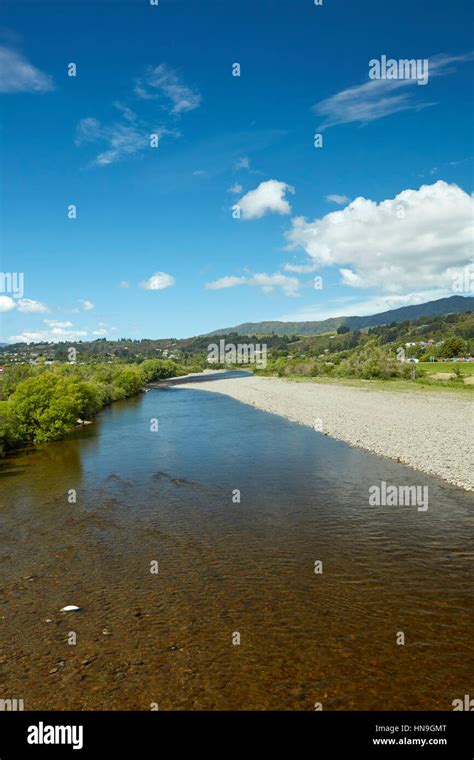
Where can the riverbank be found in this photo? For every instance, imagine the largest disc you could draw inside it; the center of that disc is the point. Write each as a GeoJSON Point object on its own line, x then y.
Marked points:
{"type": "Point", "coordinates": [46, 402]}
{"type": "Point", "coordinates": [429, 432]}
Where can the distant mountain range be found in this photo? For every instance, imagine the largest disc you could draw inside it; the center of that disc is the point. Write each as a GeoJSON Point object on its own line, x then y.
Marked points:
{"type": "Point", "coordinates": [454, 304]}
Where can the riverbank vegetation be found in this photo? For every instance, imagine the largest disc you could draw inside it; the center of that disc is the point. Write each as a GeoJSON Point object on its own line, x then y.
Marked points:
{"type": "Point", "coordinates": [40, 402]}
{"type": "Point", "coordinates": [426, 346]}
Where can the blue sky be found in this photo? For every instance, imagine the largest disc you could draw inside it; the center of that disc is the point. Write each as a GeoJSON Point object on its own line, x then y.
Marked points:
{"type": "Point", "coordinates": [382, 212]}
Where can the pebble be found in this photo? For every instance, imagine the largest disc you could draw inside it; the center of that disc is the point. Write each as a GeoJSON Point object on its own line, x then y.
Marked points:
{"type": "Point", "coordinates": [416, 427]}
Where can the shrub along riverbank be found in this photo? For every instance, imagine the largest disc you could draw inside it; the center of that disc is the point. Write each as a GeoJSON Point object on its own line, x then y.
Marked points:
{"type": "Point", "coordinates": [43, 403]}
{"type": "Point", "coordinates": [370, 361]}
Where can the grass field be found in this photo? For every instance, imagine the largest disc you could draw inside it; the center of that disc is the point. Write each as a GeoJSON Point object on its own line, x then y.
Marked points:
{"type": "Point", "coordinates": [425, 383]}
{"type": "Point", "coordinates": [432, 367]}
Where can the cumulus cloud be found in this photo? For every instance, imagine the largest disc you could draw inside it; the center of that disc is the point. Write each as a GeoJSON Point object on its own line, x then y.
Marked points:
{"type": "Point", "coordinates": [339, 199]}
{"type": "Point", "coordinates": [158, 281]}
{"type": "Point", "coordinates": [86, 305]}
{"type": "Point", "coordinates": [377, 98]}
{"type": "Point", "coordinates": [18, 75]}
{"type": "Point", "coordinates": [7, 303]}
{"type": "Point", "coordinates": [267, 198]}
{"type": "Point", "coordinates": [266, 283]}
{"type": "Point", "coordinates": [420, 239]}
{"type": "Point", "coordinates": [25, 305]}
{"type": "Point", "coordinates": [163, 82]}
{"type": "Point", "coordinates": [28, 306]}
{"type": "Point", "coordinates": [55, 335]}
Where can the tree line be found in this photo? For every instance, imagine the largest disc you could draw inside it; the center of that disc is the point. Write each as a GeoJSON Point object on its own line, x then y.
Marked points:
{"type": "Point", "coordinates": [43, 403]}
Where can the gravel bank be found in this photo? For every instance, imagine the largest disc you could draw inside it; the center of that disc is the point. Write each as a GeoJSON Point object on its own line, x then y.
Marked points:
{"type": "Point", "coordinates": [431, 432]}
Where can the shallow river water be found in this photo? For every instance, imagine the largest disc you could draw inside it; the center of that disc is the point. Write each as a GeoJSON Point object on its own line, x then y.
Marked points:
{"type": "Point", "coordinates": [227, 570]}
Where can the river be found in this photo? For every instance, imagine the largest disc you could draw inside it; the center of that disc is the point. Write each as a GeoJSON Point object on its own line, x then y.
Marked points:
{"type": "Point", "coordinates": [230, 566]}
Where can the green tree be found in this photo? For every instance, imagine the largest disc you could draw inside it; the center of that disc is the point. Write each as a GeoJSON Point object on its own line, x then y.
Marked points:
{"type": "Point", "coordinates": [453, 347]}
{"type": "Point", "coordinates": [46, 406]}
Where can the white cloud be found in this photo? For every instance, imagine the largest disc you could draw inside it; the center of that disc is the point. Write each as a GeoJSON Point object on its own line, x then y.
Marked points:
{"type": "Point", "coordinates": [267, 198]}
{"type": "Point", "coordinates": [25, 305]}
{"type": "Point", "coordinates": [419, 239]}
{"type": "Point", "coordinates": [88, 130]}
{"type": "Point", "coordinates": [352, 279]}
{"type": "Point", "coordinates": [86, 305]}
{"type": "Point", "coordinates": [121, 139]}
{"type": "Point", "coordinates": [54, 323]}
{"type": "Point", "coordinates": [28, 306]}
{"type": "Point", "coordinates": [267, 283]}
{"type": "Point", "coordinates": [131, 135]}
{"type": "Point", "coordinates": [55, 335]}
{"type": "Point", "coordinates": [124, 284]}
{"type": "Point", "coordinates": [229, 281]}
{"type": "Point", "coordinates": [158, 281]}
{"type": "Point", "coordinates": [242, 163]}
{"type": "Point", "coordinates": [18, 75]}
{"type": "Point", "coordinates": [127, 112]}
{"type": "Point", "coordinates": [100, 332]}
{"type": "Point", "coordinates": [346, 307]}
{"type": "Point", "coordinates": [163, 82]}
{"type": "Point", "coordinates": [7, 303]}
{"type": "Point", "coordinates": [301, 268]}
{"type": "Point", "coordinates": [377, 98]}
{"type": "Point", "coordinates": [339, 199]}
{"type": "Point", "coordinates": [236, 189]}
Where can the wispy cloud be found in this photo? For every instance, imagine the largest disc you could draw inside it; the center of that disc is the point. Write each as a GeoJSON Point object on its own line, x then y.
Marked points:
{"type": "Point", "coordinates": [18, 75]}
{"type": "Point", "coordinates": [162, 82]}
{"type": "Point", "coordinates": [122, 138]}
{"type": "Point", "coordinates": [266, 283]}
{"type": "Point", "coordinates": [339, 199]}
{"type": "Point", "coordinates": [127, 135]}
{"type": "Point", "coordinates": [242, 163]}
{"type": "Point", "coordinates": [55, 323]}
{"type": "Point", "coordinates": [377, 98]}
{"type": "Point", "coordinates": [301, 268]}
{"type": "Point", "coordinates": [349, 307]}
